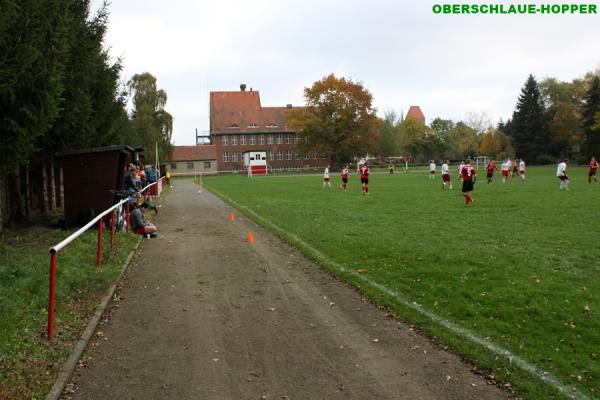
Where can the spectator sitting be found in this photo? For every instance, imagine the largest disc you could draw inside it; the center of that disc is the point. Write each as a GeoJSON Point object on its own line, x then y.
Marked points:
{"type": "Point", "coordinates": [139, 225]}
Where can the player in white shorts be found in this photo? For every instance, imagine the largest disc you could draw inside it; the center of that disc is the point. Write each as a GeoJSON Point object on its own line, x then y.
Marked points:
{"type": "Point", "coordinates": [432, 169]}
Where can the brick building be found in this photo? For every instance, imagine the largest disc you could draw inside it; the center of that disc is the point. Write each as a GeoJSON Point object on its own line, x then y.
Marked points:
{"type": "Point", "coordinates": [240, 124]}
{"type": "Point", "coordinates": [416, 113]}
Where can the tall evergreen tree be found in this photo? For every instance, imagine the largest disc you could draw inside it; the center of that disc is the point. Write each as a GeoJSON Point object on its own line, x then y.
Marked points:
{"type": "Point", "coordinates": [33, 51]}
{"type": "Point", "coordinates": [529, 125]}
{"type": "Point", "coordinates": [591, 119]}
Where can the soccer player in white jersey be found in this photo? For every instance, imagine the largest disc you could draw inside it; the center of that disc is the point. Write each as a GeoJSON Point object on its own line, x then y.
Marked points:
{"type": "Point", "coordinates": [432, 169]}
{"type": "Point", "coordinates": [460, 167]}
{"type": "Point", "coordinates": [561, 173]}
{"type": "Point", "coordinates": [326, 182]}
{"type": "Point", "coordinates": [446, 175]}
{"type": "Point", "coordinates": [522, 168]}
{"type": "Point", "coordinates": [505, 168]}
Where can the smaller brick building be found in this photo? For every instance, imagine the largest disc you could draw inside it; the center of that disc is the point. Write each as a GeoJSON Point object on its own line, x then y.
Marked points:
{"type": "Point", "coordinates": [189, 160]}
{"type": "Point", "coordinates": [416, 113]}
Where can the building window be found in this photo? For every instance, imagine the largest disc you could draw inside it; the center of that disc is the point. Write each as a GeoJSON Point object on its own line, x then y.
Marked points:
{"type": "Point", "coordinates": [261, 139]}
{"type": "Point", "coordinates": [190, 165]}
{"type": "Point", "coordinates": [288, 155]}
{"type": "Point", "coordinates": [306, 156]}
{"type": "Point", "coordinates": [224, 140]}
{"type": "Point", "coordinates": [173, 166]}
{"type": "Point", "coordinates": [206, 164]}
{"type": "Point", "coordinates": [233, 126]}
{"type": "Point", "coordinates": [253, 125]}
{"type": "Point", "coordinates": [234, 156]}
{"type": "Point", "coordinates": [316, 154]}
{"type": "Point", "coordinates": [297, 139]}
{"type": "Point", "coordinates": [279, 155]}
{"type": "Point", "coordinates": [298, 155]}
{"type": "Point", "coordinates": [234, 140]}
{"type": "Point", "coordinates": [225, 156]}
{"type": "Point", "coordinates": [242, 140]}
{"type": "Point", "coordinates": [280, 139]}
{"type": "Point", "coordinates": [270, 155]}
{"type": "Point", "coordinates": [306, 140]}
{"type": "Point", "coordinates": [272, 125]}
{"type": "Point", "coordinates": [252, 140]}
{"type": "Point", "coordinates": [289, 138]}
{"type": "Point", "coordinates": [270, 139]}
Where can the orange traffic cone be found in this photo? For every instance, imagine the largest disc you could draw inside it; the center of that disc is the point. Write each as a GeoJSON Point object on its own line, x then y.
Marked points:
{"type": "Point", "coordinates": [231, 216]}
{"type": "Point", "coordinates": [250, 238]}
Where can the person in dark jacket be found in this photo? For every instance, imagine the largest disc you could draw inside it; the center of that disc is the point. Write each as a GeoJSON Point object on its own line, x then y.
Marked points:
{"type": "Point", "coordinates": [139, 224]}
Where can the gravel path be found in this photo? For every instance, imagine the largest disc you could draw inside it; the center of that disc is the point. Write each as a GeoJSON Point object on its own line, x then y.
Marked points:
{"type": "Point", "coordinates": [204, 315]}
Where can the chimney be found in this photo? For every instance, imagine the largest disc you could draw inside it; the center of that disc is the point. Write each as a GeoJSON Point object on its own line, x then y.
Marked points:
{"type": "Point", "coordinates": [243, 87]}
{"type": "Point", "coordinates": [289, 106]}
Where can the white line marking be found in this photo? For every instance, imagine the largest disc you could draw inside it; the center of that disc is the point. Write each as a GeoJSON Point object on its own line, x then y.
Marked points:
{"type": "Point", "coordinates": [544, 376]}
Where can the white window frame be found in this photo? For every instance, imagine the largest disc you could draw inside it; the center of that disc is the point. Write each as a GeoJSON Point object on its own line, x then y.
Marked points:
{"type": "Point", "coordinates": [234, 140]}
{"type": "Point", "coordinates": [270, 139]}
{"type": "Point", "coordinates": [252, 140]}
{"type": "Point", "coordinates": [289, 155]}
{"type": "Point", "coordinates": [225, 156]}
{"type": "Point", "coordinates": [280, 138]}
{"type": "Point", "coordinates": [242, 140]}
{"type": "Point", "coordinates": [270, 155]}
{"type": "Point", "coordinates": [234, 156]}
{"type": "Point", "coordinates": [224, 140]}
{"type": "Point", "coordinates": [261, 139]}
{"type": "Point", "coordinates": [289, 138]}
{"type": "Point", "coordinates": [279, 155]}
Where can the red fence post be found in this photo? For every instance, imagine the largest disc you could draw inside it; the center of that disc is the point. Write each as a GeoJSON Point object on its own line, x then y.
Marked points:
{"type": "Point", "coordinates": [100, 234]}
{"type": "Point", "coordinates": [127, 216]}
{"type": "Point", "coordinates": [51, 294]}
{"type": "Point", "coordinates": [112, 232]}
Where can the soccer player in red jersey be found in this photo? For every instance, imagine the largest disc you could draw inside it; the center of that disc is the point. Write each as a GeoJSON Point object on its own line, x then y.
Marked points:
{"type": "Point", "coordinates": [364, 178]}
{"type": "Point", "coordinates": [468, 175]}
{"type": "Point", "coordinates": [491, 167]}
{"type": "Point", "coordinates": [593, 168]}
{"type": "Point", "coordinates": [345, 172]}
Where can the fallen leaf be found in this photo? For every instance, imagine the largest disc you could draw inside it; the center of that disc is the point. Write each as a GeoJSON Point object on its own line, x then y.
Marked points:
{"type": "Point", "coordinates": [215, 359]}
{"type": "Point", "coordinates": [375, 340]}
{"type": "Point", "coordinates": [270, 309]}
{"type": "Point", "coordinates": [390, 315]}
{"type": "Point", "coordinates": [362, 270]}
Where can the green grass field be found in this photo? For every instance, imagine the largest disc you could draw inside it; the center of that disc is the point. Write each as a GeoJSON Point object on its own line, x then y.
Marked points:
{"type": "Point", "coordinates": [519, 269]}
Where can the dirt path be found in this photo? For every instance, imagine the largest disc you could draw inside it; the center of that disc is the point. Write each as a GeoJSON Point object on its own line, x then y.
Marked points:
{"type": "Point", "coordinates": [206, 316]}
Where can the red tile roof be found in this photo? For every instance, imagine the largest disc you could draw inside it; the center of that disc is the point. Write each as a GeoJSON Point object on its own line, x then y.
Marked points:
{"type": "Point", "coordinates": [194, 153]}
{"type": "Point", "coordinates": [243, 109]}
{"type": "Point", "coordinates": [416, 113]}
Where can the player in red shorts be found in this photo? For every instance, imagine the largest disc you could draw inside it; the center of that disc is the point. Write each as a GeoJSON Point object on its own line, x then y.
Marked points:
{"type": "Point", "coordinates": [468, 175]}
{"type": "Point", "coordinates": [446, 175]}
{"type": "Point", "coordinates": [345, 173]}
{"type": "Point", "coordinates": [364, 178]}
{"type": "Point", "coordinates": [491, 167]}
{"type": "Point", "coordinates": [593, 168]}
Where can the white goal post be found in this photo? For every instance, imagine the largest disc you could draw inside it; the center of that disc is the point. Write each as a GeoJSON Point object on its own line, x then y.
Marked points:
{"type": "Point", "coordinates": [481, 159]}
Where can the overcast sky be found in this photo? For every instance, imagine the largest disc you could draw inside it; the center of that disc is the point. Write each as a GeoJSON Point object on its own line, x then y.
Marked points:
{"type": "Point", "coordinates": [450, 65]}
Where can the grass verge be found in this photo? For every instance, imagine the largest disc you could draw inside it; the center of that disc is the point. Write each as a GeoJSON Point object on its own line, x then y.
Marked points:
{"type": "Point", "coordinates": [29, 364]}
